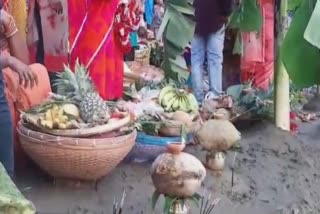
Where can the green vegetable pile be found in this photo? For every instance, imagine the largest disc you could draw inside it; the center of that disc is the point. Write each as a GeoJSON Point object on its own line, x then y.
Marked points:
{"type": "Point", "coordinates": [11, 200]}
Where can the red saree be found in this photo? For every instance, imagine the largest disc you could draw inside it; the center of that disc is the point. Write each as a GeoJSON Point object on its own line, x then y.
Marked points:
{"type": "Point", "coordinates": [93, 41]}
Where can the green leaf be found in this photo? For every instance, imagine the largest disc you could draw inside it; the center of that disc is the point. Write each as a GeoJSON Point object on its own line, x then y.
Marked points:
{"type": "Point", "coordinates": [300, 58]}
{"type": "Point", "coordinates": [178, 30]}
{"type": "Point", "coordinates": [294, 4]}
{"type": "Point", "coordinates": [186, 10]}
{"type": "Point", "coordinates": [238, 45]}
{"type": "Point", "coordinates": [195, 199]}
{"type": "Point", "coordinates": [155, 198]}
{"type": "Point", "coordinates": [247, 17]}
{"type": "Point", "coordinates": [168, 202]}
{"type": "Point", "coordinates": [235, 91]}
{"type": "Point", "coordinates": [312, 33]}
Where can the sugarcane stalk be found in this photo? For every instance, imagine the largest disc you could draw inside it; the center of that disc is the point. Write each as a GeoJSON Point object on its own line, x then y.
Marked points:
{"type": "Point", "coordinates": [281, 96]}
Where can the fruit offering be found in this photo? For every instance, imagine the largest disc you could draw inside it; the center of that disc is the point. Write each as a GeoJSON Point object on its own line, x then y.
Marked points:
{"type": "Point", "coordinates": [172, 99]}
{"type": "Point", "coordinates": [77, 87]}
{"type": "Point", "coordinates": [60, 117]}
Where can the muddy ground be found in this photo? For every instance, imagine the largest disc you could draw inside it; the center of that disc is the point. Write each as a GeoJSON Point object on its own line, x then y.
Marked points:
{"type": "Point", "coordinates": [275, 173]}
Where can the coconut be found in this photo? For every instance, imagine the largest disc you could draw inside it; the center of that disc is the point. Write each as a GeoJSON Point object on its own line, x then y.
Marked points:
{"type": "Point", "coordinates": [217, 135]}
{"type": "Point", "coordinates": [177, 175]}
{"type": "Point", "coordinates": [179, 116]}
{"type": "Point", "coordinates": [222, 114]}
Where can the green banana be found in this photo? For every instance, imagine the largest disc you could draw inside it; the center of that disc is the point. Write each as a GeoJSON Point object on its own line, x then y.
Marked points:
{"type": "Point", "coordinates": [163, 92]}
{"type": "Point", "coordinates": [185, 105]}
{"type": "Point", "coordinates": [193, 102]}
{"type": "Point", "coordinates": [166, 98]}
{"type": "Point", "coordinates": [170, 103]}
{"type": "Point", "coordinates": [176, 104]}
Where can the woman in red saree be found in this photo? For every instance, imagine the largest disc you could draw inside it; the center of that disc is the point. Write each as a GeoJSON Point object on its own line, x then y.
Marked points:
{"type": "Point", "coordinates": [93, 40]}
{"type": "Point", "coordinates": [99, 37]}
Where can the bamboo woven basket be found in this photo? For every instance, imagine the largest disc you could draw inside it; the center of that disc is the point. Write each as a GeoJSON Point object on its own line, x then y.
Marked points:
{"type": "Point", "coordinates": [143, 54]}
{"type": "Point", "coordinates": [83, 132]}
{"type": "Point", "coordinates": [87, 159]}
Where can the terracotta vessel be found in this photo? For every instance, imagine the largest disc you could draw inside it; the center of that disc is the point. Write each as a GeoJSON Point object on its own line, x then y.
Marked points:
{"type": "Point", "coordinates": [175, 148]}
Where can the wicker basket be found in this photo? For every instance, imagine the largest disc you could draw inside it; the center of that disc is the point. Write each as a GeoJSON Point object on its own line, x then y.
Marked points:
{"type": "Point", "coordinates": [143, 54]}
{"type": "Point", "coordinates": [82, 132]}
{"type": "Point", "coordinates": [75, 158]}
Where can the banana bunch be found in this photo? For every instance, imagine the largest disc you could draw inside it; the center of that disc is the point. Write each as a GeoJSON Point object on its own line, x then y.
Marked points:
{"type": "Point", "coordinates": [56, 118]}
{"type": "Point", "coordinates": [172, 99]}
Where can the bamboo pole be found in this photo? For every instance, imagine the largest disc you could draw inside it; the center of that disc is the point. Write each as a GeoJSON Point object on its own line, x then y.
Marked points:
{"type": "Point", "coordinates": [281, 96]}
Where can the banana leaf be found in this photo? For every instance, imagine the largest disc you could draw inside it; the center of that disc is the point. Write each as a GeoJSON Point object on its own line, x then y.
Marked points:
{"type": "Point", "coordinates": [238, 45]}
{"type": "Point", "coordinates": [300, 58]}
{"type": "Point", "coordinates": [11, 200]}
{"type": "Point", "coordinates": [312, 33]}
{"type": "Point", "coordinates": [247, 17]}
{"type": "Point", "coordinates": [293, 4]}
{"type": "Point", "coordinates": [177, 30]}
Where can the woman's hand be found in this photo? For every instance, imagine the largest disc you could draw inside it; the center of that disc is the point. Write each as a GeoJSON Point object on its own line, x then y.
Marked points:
{"type": "Point", "coordinates": [56, 5]}
{"type": "Point", "coordinates": [26, 76]}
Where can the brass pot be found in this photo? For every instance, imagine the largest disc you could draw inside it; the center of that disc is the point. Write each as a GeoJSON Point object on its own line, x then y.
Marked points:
{"type": "Point", "coordinates": [216, 161]}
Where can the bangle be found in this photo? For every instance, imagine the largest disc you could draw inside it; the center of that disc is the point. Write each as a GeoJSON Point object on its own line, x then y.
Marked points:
{"type": "Point", "coordinates": [11, 29]}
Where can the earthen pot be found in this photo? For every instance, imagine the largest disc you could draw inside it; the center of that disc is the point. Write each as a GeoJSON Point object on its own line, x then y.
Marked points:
{"type": "Point", "coordinates": [175, 148]}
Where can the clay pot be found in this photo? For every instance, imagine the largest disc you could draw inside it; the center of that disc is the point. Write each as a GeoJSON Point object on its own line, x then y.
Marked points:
{"type": "Point", "coordinates": [175, 148]}
{"type": "Point", "coordinates": [177, 175]}
{"type": "Point", "coordinates": [216, 161]}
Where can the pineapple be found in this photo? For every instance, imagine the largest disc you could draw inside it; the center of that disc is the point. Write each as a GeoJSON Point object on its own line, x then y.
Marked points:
{"type": "Point", "coordinates": [78, 87]}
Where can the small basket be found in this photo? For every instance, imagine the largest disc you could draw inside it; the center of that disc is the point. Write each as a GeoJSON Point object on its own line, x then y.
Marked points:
{"type": "Point", "coordinates": [143, 54]}
{"type": "Point", "coordinates": [148, 147]}
{"type": "Point", "coordinates": [75, 158]}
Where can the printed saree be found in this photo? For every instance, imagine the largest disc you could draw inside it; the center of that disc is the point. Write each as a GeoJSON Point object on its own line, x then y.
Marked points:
{"type": "Point", "coordinates": [54, 32]}
{"type": "Point", "coordinates": [94, 42]}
